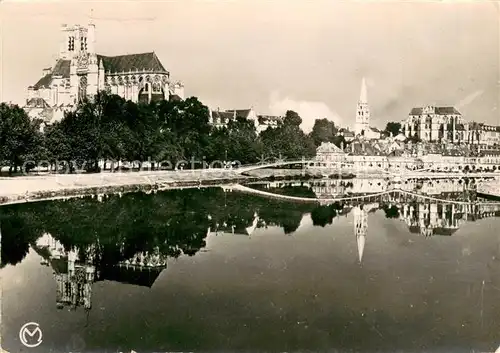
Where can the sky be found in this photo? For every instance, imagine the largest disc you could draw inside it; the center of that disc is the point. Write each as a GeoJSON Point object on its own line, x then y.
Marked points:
{"type": "Point", "coordinates": [275, 55]}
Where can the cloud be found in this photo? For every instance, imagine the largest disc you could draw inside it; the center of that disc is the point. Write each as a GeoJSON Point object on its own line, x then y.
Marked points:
{"type": "Point", "coordinates": [469, 99]}
{"type": "Point", "coordinates": [309, 111]}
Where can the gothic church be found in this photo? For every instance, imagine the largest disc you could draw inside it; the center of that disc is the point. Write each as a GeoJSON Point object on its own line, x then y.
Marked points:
{"type": "Point", "coordinates": [80, 72]}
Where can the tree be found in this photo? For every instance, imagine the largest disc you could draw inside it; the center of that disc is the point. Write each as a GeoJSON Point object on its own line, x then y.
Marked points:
{"type": "Point", "coordinates": [340, 141]}
{"type": "Point", "coordinates": [393, 128]}
{"type": "Point", "coordinates": [19, 136]}
{"type": "Point", "coordinates": [323, 130]}
{"type": "Point", "coordinates": [287, 139]}
{"type": "Point", "coordinates": [292, 119]}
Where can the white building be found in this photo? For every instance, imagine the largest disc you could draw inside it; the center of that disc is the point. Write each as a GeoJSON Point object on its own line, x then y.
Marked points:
{"type": "Point", "coordinates": [329, 155]}
{"type": "Point", "coordinates": [79, 73]}
{"type": "Point", "coordinates": [220, 118]}
{"type": "Point", "coordinates": [362, 126]}
{"type": "Point", "coordinates": [434, 124]}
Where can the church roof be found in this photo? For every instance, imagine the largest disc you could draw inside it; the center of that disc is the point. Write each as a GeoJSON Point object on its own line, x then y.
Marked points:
{"type": "Point", "coordinates": [136, 275]}
{"type": "Point", "coordinates": [62, 68]}
{"type": "Point", "coordinates": [120, 63]}
{"type": "Point", "coordinates": [241, 113]}
{"type": "Point", "coordinates": [43, 82]}
{"type": "Point", "coordinates": [437, 110]}
{"type": "Point", "coordinates": [132, 62]}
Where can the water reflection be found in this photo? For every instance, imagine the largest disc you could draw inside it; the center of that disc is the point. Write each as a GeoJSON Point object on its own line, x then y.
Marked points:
{"type": "Point", "coordinates": [130, 238]}
{"type": "Point", "coordinates": [75, 270]}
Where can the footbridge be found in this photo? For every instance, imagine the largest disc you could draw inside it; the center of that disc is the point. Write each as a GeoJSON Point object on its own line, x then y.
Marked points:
{"type": "Point", "coordinates": [246, 189]}
{"type": "Point", "coordinates": [350, 167]}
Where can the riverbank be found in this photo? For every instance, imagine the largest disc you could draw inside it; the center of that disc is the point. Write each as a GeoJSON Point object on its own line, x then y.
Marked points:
{"type": "Point", "coordinates": [32, 188]}
{"type": "Point", "coordinates": [55, 186]}
{"type": "Point", "coordinates": [52, 186]}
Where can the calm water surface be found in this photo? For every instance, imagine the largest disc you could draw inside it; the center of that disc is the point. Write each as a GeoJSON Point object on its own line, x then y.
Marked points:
{"type": "Point", "coordinates": [221, 269]}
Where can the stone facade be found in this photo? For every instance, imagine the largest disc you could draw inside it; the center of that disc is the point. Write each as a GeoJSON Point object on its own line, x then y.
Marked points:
{"type": "Point", "coordinates": [79, 73]}
{"type": "Point", "coordinates": [447, 125]}
{"type": "Point", "coordinates": [435, 124]}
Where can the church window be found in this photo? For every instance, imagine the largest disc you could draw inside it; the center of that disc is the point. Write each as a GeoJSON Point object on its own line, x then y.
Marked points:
{"type": "Point", "coordinates": [83, 44]}
{"type": "Point", "coordinates": [82, 88]}
{"type": "Point", "coordinates": [156, 88]}
{"type": "Point", "coordinates": [146, 88]}
{"type": "Point", "coordinates": [71, 44]}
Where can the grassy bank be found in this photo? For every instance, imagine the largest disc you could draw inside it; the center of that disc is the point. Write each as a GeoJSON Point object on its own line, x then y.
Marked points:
{"type": "Point", "coordinates": [43, 187]}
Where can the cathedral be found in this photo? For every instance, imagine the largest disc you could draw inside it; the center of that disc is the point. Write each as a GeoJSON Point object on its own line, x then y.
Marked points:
{"type": "Point", "coordinates": [79, 72]}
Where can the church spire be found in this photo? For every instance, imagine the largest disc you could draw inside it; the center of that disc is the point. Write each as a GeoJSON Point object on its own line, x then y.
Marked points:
{"type": "Point", "coordinates": [363, 96]}
{"type": "Point", "coordinates": [361, 239]}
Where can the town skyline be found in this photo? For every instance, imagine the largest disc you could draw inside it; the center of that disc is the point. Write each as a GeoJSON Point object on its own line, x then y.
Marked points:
{"type": "Point", "coordinates": [458, 67]}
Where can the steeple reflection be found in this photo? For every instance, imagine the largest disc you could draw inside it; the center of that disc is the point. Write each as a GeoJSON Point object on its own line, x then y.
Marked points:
{"type": "Point", "coordinates": [360, 228]}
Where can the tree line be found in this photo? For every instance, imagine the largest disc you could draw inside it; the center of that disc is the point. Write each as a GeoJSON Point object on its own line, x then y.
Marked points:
{"type": "Point", "coordinates": [111, 128]}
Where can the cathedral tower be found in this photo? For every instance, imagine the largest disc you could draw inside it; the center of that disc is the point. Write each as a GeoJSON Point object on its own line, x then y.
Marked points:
{"type": "Point", "coordinates": [362, 111]}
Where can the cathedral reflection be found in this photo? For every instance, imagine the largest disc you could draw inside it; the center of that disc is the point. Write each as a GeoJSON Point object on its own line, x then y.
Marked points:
{"type": "Point", "coordinates": [77, 269]}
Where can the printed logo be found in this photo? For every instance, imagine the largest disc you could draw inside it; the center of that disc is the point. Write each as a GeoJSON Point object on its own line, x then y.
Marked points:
{"type": "Point", "coordinates": [30, 335]}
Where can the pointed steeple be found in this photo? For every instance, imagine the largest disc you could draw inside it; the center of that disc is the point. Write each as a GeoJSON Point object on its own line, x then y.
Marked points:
{"type": "Point", "coordinates": [361, 247]}
{"type": "Point", "coordinates": [363, 96]}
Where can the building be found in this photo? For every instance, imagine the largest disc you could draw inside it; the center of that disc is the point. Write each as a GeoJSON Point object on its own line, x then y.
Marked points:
{"type": "Point", "coordinates": [483, 134]}
{"type": "Point", "coordinates": [268, 121]}
{"type": "Point", "coordinates": [220, 118]}
{"type": "Point", "coordinates": [362, 126]}
{"type": "Point", "coordinates": [329, 155]}
{"type": "Point", "coordinates": [435, 124]}
{"type": "Point", "coordinates": [447, 125]}
{"type": "Point", "coordinates": [348, 135]}
{"type": "Point", "coordinates": [73, 277]}
{"type": "Point", "coordinates": [79, 73]}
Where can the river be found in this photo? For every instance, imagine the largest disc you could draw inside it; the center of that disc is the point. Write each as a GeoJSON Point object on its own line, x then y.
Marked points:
{"type": "Point", "coordinates": [361, 265]}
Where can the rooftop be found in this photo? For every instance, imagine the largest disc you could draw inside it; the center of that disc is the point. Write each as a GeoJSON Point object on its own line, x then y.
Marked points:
{"type": "Point", "coordinates": [113, 64]}
{"type": "Point", "coordinates": [437, 110]}
{"type": "Point", "coordinates": [132, 62]}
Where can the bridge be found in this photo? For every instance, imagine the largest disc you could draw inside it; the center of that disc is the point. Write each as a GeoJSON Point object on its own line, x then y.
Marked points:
{"type": "Point", "coordinates": [350, 167]}
{"type": "Point", "coordinates": [246, 189]}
